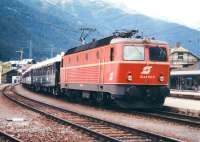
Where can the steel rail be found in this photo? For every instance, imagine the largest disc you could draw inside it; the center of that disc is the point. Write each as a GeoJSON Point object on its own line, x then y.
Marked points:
{"type": "Point", "coordinates": [119, 133]}
{"type": "Point", "coordinates": [172, 116]}
{"type": "Point", "coordinates": [8, 138]}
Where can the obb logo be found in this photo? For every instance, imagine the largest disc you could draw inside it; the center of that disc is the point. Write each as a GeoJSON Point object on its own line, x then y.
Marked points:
{"type": "Point", "coordinates": [146, 70]}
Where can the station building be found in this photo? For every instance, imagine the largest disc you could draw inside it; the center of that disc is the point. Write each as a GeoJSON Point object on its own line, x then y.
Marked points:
{"type": "Point", "coordinates": [12, 76]}
{"type": "Point", "coordinates": [183, 59]}
{"type": "Point", "coordinates": [10, 70]}
{"type": "Point", "coordinates": [185, 71]}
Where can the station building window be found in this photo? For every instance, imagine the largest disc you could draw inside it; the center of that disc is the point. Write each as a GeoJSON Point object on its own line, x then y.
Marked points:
{"type": "Point", "coordinates": [180, 56]}
{"type": "Point", "coordinates": [62, 63]}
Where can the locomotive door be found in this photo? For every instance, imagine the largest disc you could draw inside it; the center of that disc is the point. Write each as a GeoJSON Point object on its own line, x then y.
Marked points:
{"type": "Point", "coordinates": [101, 61]}
{"type": "Point", "coordinates": [147, 67]}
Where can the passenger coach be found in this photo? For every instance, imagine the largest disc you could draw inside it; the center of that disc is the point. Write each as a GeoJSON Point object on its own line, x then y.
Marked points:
{"type": "Point", "coordinates": [44, 76]}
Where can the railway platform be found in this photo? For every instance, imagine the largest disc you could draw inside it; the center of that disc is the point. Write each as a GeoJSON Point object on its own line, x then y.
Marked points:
{"type": "Point", "coordinates": [187, 102]}
{"type": "Point", "coordinates": [187, 94]}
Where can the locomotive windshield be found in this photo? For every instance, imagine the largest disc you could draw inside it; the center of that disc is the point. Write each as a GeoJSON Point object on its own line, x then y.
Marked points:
{"type": "Point", "coordinates": [133, 53]}
{"type": "Point", "coordinates": [157, 54]}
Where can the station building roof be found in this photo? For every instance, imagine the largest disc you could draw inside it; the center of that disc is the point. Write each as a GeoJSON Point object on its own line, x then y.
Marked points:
{"type": "Point", "coordinates": [180, 73]}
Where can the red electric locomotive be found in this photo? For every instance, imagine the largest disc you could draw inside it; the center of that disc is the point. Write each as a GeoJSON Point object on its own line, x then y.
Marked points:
{"type": "Point", "coordinates": [132, 72]}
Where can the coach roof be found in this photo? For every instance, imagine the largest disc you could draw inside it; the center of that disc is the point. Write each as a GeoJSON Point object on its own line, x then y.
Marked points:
{"type": "Point", "coordinates": [44, 63]}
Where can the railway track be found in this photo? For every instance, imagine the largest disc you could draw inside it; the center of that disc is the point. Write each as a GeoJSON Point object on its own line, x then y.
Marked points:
{"type": "Point", "coordinates": [97, 128]}
{"type": "Point", "coordinates": [8, 138]}
{"type": "Point", "coordinates": [166, 114]}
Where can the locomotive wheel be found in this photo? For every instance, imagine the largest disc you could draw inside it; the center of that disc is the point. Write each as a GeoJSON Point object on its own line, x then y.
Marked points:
{"type": "Point", "coordinates": [100, 98]}
{"type": "Point", "coordinates": [161, 100]}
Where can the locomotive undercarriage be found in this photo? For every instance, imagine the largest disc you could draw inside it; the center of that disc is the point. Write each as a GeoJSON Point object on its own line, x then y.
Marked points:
{"type": "Point", "coordinates": [128, 96]}
{"type": "Point", "coordinates": [125, 96]}
{"type": "Point", "coordinates": [143, 96]}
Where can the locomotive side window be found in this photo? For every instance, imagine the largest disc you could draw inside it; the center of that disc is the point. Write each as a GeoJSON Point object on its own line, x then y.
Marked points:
{"type": "Point", "coordinates": [111, 54]}
{"type": "Point", "coordinates": [77, 58]}
{"type": "Point", "coordinates": [97, 54]}
{"type": "Point", "coordinates": [157, 54]}
{"type": "Point", "coordinates": [133, 53]}
{"type": "Point", "coordinates": [86, 56]}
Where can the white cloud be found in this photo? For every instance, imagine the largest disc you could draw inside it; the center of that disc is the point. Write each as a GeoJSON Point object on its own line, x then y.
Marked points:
{"type": "Point", "coordinates": [185, 12]}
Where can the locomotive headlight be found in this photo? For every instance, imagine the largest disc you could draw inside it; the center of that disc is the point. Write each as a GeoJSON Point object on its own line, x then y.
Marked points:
{"type": "Point", "coordinates": [161, 78]}
{"type": "Point", "coordinates": [130, 77]}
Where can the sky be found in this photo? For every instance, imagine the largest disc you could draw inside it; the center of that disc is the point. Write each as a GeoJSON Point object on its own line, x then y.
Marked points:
{"type": "Point", "coordinates": [185, 12]}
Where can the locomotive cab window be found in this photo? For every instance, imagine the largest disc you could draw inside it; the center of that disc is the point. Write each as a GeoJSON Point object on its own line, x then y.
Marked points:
{"type": "Point", "coordinates": [133, 53]}
{"type": "Point", "coordinates": [157, 54]}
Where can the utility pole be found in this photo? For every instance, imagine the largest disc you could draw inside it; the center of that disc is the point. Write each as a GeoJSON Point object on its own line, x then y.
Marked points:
{"type": "Point", "coordinates": [21, 52]}
{"type": "Point", "coordinates": [30, 49]}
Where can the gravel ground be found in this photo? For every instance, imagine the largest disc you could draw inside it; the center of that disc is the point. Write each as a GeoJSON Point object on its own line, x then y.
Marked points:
{"type": "Point", "coordinates": [34, 127]}
{"type": "Point", "coordinates": [179, 131]}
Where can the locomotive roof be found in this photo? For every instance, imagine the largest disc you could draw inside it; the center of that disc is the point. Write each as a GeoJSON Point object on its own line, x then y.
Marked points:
{"type": "Point", "coordinates": [111, 40]}
{"type": "Point", "coordinates": [94, 44]}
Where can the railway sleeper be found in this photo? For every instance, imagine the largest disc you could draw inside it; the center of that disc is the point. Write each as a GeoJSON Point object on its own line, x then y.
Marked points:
{"type": "Point", "coordinates": [86, 124]}
{"type": "Point", "coordinates": [134, 140]}
{"type": "Point", "coordinates": [96, 128]}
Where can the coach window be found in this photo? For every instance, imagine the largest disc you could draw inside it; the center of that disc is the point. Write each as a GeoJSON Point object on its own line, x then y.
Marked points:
{"type": "Point", "coordinates": [111, 54]}
{"type": "Point", "coordinates": [51, 69]}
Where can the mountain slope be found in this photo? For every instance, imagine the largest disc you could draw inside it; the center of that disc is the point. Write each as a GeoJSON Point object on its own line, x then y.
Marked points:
{"type": "Point", "coordinates": [56, 25]}
{"type": "Point", "coordinates": [21, 23]}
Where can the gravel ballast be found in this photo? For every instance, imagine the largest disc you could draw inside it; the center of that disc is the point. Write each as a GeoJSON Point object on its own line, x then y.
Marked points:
{"type": "Point", "coordinates": [29, 126]}
{"type": "Point", "coordinates": [163, 127]}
